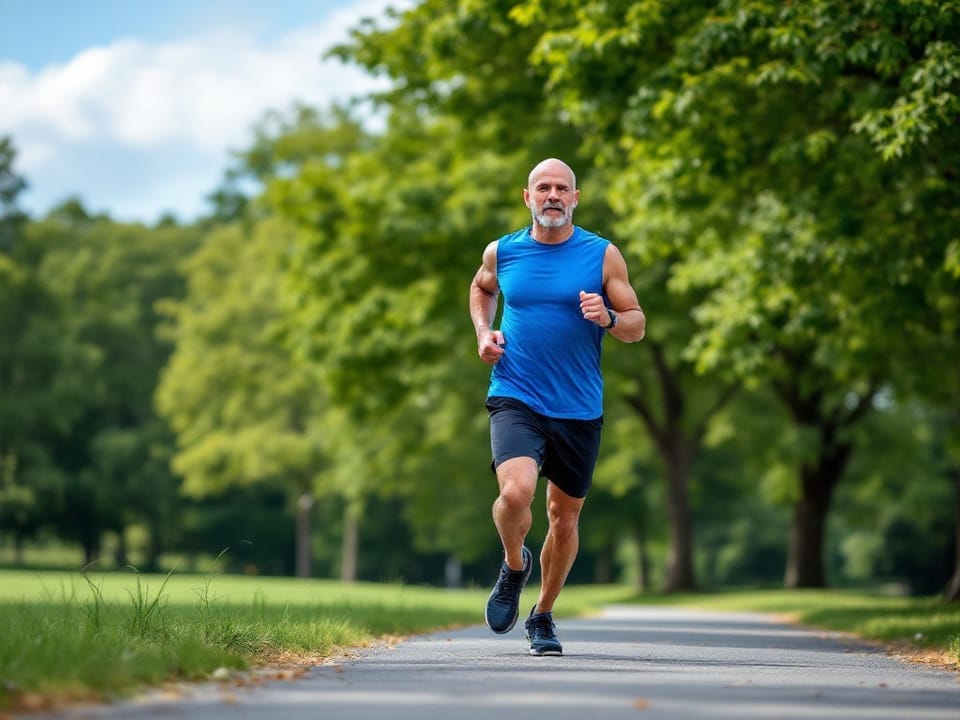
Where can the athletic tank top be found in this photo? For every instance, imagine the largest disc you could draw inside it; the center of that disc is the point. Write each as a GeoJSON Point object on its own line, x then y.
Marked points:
{"type": "Point", "coordinates": [551, 358]}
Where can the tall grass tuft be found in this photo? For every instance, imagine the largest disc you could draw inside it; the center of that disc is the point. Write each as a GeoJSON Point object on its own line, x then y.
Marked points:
{"type": "Point", "coordinates": [94, 609]}
{"type": "Point", "coordinates": [143, 607]}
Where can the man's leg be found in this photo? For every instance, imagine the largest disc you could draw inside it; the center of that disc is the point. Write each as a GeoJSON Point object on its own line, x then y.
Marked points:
{"type": "Point", "coordinates": [511, 510]}
{"type": "Point", "coordinates": [560, 547]}
{"type": "Point", "coordinates": [512, 516]}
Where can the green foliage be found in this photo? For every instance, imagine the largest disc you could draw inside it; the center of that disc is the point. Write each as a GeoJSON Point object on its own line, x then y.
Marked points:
{"type": "Point", "coordinates": [242, 410]}
{"type": "Point", "coordinates": [106, 279]}
{"type": "Point", "coordinates": [796, 161]}
{"type": "Point", "coordinates": [379, 268]}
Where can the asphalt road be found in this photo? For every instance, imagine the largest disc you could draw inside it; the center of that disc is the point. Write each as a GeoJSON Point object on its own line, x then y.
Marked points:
{"type": "Point", "coordinates": [629, 662]}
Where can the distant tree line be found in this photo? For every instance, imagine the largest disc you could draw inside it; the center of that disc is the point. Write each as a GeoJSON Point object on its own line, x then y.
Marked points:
{"type": "Point", "coordinates": [295, 375]}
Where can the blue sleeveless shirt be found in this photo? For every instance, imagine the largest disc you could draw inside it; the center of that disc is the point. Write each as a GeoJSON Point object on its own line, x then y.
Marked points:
{"type": "Point", "coordinates": [551, 358]}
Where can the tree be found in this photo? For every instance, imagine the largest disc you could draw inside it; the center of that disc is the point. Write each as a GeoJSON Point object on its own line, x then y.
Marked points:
{"type": "Point", "coordinates": [243, 411]}
{"type": "Point", "coordinates": [800, 156]}
{"type": "Point", "coordinates": [36, 405]}
{"type": "Point", "coordinates": [379, 307]}
{"type": "Point", "coordinates": [105, 278]}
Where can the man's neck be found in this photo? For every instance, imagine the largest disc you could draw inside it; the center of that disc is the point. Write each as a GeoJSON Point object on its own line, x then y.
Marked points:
{"type": "Point", "coordinates": [551, 235]}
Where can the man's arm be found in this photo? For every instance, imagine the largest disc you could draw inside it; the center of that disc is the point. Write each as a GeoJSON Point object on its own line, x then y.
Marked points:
{"type": "Point", "coordinates": [484, 295]}
{"type": "Point", "coordinates": [631, 322]}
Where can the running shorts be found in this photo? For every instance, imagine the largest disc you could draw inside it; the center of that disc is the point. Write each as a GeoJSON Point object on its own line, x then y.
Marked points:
{"type": "Point", "coordinates": [565, 450]}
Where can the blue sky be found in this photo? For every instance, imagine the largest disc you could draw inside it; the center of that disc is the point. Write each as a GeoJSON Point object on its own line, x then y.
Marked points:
{"type": "Point", "coordinates": [135, 106]}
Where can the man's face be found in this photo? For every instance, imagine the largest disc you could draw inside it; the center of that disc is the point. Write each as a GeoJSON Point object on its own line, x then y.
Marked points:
{"type": "Point", "coordinates": [551, 198]}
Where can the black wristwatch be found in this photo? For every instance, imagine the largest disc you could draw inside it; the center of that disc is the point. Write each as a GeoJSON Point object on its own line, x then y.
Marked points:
{"type": "Point", "coordinates": [613, 319]}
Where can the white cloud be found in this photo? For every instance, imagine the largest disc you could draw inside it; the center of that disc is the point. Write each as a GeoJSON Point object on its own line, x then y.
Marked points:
{"type": "Point", "coordinates": [199, 97]}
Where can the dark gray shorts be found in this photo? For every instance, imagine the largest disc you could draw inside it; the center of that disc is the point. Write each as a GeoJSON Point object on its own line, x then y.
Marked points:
{"type": "Point", "coordinates": [565, 450]}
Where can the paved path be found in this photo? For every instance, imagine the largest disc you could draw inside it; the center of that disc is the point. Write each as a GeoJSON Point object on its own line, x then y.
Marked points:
{"type": "Point", "coordinates": [630, 662]}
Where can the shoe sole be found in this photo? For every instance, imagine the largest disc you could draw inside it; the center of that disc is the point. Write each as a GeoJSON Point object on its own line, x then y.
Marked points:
{"type": "Point", "coordinates": [505, 630]}
{"type": "Point", "coordinates": [546, 653]}
{"type": "Point", "coordinates": [517, 616]}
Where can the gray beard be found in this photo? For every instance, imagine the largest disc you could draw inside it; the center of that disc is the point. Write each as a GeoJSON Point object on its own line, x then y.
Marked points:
{"type": "Point", "coordinates": [552, 222]}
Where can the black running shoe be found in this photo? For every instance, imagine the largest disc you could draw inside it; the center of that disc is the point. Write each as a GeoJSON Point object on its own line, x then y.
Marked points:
{"type": "Point", "coordinates": [542, 634]}
{"type": "Point", "coordinates": [503, 606]}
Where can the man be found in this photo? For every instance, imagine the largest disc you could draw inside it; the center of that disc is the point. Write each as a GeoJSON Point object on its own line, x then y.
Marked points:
{"type": "Point", "coordinates": [564, 288]}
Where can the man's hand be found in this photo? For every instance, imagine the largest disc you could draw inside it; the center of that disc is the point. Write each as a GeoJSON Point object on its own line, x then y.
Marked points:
{"type": "Point", "coordinates": [490, 346]}
{"type": "Point", "coordinates": [594, 309]}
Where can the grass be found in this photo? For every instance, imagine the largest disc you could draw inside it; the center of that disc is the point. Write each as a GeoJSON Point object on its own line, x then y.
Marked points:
{"type": "Point", "coordinates": [70, 636]}
{"type": "Point", "coordinates": [914, 626]}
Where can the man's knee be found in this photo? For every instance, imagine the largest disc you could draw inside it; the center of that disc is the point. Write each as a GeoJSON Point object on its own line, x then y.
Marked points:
{"type": "Point", "coordinates": [518, 482]}
{"type": "Point", "coordinates": [564, 524]}
{"type": "Point", "coordinates": [563, 513]}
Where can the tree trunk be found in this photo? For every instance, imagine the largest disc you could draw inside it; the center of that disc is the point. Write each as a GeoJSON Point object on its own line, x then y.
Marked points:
{"type": "Point", "coordinates": [121, 557]}
{"type": "Point", "coordinates": [351, 537]}
{"type": "Point", "coordinates": [154, 547]}
{"type": "Point", "coordinates": [952, 591]}
{"type": "Point", "coordinates": [820, 475]}
{"type": "Point", "coordinates": [304, 559]}
{"type": "Point", "coordinates": [818, 479]}
{"type": "Point", "coordinates": [680, 575]}
{"type": "Point", "coordinates": [643, 559]}
{"type": "Point", "coordinates": [91, 547]}
{"type": "Point", "coordinates": [603, 567]}
{"type": "Point", "coordinates": [453, 572]}
{"type": "Point", "coordinates": [805, 559]}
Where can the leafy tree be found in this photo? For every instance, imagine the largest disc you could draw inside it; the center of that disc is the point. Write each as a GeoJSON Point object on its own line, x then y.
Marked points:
{"type": "Point", "coordinates": [35, 405]}
{"type": "Point", "coordinates": [106, 277]}
{"type": "Point", "coordinates": [243, 411]}
{"type": "Point", "coordinates": [39, 398]}
{"type": "Point", "coordinates": [800, 157]}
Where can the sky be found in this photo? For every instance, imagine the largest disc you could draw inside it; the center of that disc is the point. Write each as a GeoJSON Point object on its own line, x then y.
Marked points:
{"type": "Point", "coordinates": [135, 106]}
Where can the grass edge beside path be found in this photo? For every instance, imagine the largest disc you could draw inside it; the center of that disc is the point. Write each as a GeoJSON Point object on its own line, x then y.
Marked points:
{"type": "Point", "coordinates": [921, 630]}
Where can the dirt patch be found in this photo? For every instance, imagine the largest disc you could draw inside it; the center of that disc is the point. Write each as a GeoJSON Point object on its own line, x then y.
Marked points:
{"type": "Point", "coordinates": [924, 656]}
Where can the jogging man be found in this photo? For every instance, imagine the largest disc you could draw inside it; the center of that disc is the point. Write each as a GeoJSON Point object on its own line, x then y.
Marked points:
{"type": "Point", "coordinates": [563, 288]}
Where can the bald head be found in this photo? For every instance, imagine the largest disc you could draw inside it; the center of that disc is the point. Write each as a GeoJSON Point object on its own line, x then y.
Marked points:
{"type": "Point", "coordinates": [551, 194]}
{"type": "Point", "coordinates": [551, 166]}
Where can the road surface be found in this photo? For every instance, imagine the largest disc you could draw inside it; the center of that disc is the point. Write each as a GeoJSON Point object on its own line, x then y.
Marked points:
{"type": "Point", "coordinates": [643, 663]}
